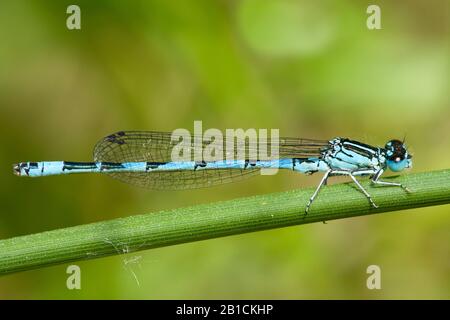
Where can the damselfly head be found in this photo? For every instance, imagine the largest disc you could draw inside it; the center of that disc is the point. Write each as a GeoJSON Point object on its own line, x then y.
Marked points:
{"type": "Point", "coordinates": [397, 157]}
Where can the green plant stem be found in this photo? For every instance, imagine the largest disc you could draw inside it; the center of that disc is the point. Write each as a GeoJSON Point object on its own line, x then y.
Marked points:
{"type": "Point", "coordinates": [220, 219]}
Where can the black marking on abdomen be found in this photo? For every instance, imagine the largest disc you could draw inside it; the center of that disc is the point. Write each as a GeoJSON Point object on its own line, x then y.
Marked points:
{"type": "Point", "coordinates": [33, 165]}
{"type": "Point", "coordinates": [110, 165]}
{"type": "Point", "coordinates": [153, 165]}
{"type": "Point", "coordinates": [250, 163]}
{"type": "Point", "coordinates": [78, 165]}
{"type": "Point", "coordinates": [295, 161]}
{"type": "Point", "coordinates": [201, 164]}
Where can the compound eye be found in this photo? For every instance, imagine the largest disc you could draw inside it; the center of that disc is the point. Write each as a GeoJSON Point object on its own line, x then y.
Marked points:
{"type": "Point", "coordinates": [395, 150]}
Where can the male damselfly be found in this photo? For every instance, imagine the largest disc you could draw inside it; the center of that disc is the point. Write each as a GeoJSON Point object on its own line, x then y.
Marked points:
{"type": "Point", "coordinates": [145, 159]}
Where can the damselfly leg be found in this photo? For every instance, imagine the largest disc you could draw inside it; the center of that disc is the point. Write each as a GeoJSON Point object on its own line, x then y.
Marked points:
{"type": "Point", "coordinates": [352, 174]}
{"type": "Point", "coordinates": [346, 173]}
{"type": "Point", "coordinates": [376, 181]}
{"type": "Point", "coordinates": [314, 195]}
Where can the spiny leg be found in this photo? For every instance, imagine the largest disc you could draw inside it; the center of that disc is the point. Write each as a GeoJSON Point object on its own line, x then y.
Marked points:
{"type": "Point", "coordinates": [386, 183]}
{"type": "Point", "coordinates": [322, 182]}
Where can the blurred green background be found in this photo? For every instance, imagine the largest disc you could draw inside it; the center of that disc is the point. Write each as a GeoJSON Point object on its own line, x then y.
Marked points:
{"type": "Point", "coordinates": [309, 68]}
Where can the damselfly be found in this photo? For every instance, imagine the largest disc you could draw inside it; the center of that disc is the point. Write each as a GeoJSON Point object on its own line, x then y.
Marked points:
{"type": "Point", "coordinates": [145, 159]}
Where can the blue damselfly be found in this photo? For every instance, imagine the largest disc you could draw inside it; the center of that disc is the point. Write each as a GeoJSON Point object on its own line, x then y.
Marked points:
{"type": "Point", "coordinates": [145, 159]}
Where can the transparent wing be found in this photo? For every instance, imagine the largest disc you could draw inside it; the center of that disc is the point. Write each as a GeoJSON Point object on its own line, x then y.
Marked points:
{"type": "Point", "coordinates": [149, 146]}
